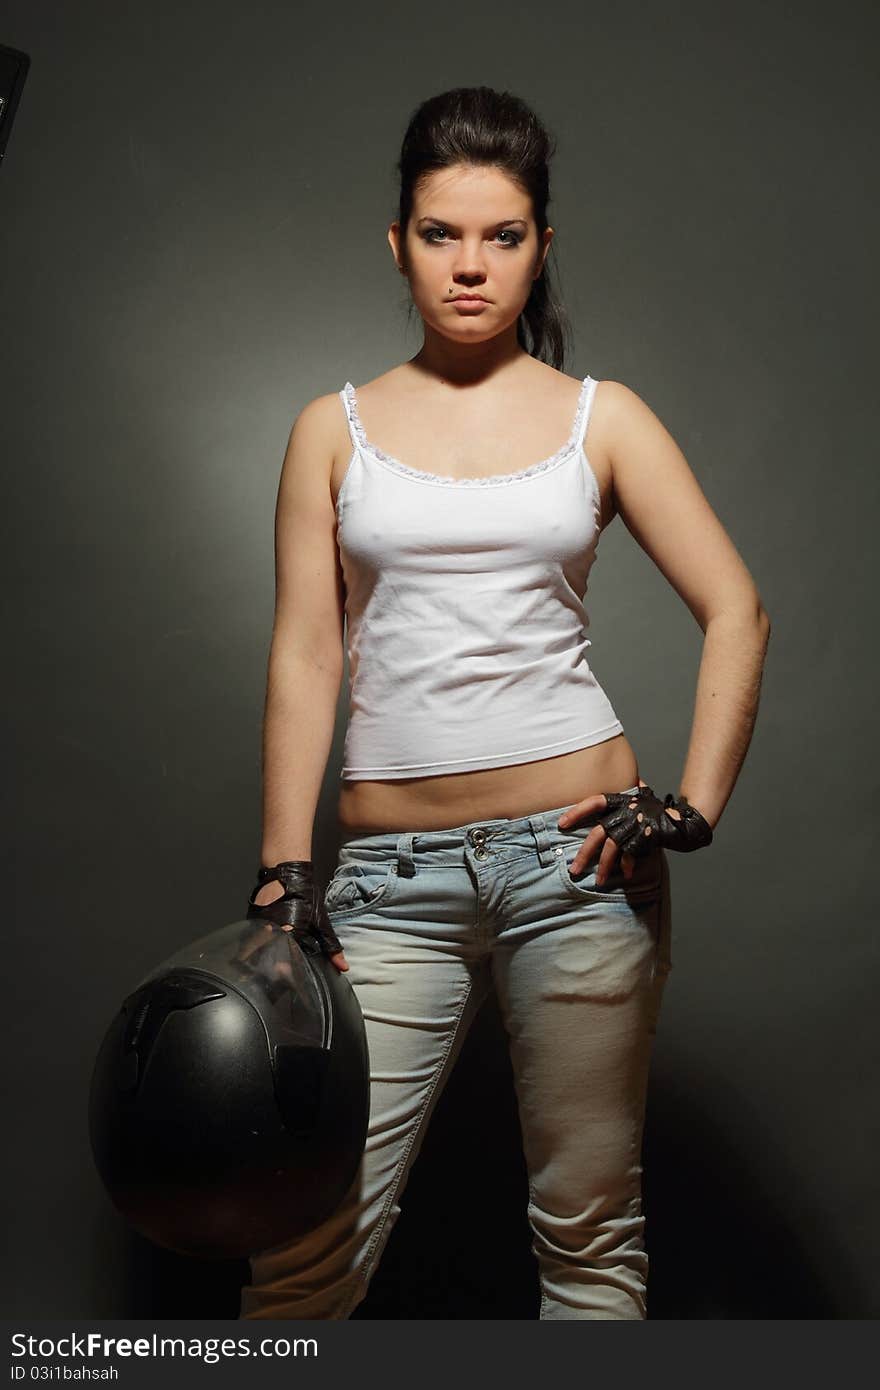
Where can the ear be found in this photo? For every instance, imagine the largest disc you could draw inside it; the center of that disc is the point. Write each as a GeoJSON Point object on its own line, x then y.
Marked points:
{"type": "Point", "coordinates": [395, 242]}
{"type": "Point", "coordinates": [549, 234]}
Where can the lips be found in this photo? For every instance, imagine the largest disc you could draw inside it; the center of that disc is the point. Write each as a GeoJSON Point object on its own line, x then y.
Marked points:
{"type": "Point", "coordinates": [473, 298]}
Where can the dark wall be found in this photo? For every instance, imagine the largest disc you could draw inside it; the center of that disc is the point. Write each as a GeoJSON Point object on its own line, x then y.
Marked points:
{"type": "Point", "coordinates": [192, 229]}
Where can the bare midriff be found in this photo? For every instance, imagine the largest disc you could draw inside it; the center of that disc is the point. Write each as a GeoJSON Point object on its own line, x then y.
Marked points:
{"type": "Point", "coordinates": [459, 798]}
{"type": "Point", "coordinates": [519, 789]}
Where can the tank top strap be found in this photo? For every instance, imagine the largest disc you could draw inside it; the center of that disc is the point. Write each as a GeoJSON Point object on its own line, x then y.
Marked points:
{"type": "Point", "coordinates": [346, 395]}
{"type": "Point", "coordinates": [585, 408]}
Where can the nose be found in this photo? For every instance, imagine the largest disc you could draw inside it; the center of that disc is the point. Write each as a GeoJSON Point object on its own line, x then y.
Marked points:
{"type": "Point", "coordinates": [470, 263]}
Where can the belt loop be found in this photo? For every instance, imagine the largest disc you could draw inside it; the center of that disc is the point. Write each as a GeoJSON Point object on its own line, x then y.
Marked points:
{"type": "Point", "coordinates": [406, 867]}
{"type": "Point", "coordinates": [546, 850]}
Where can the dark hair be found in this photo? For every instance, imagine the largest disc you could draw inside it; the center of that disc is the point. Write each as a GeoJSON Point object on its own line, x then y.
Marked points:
{"type": "Point", "coordinates": [477, 125]}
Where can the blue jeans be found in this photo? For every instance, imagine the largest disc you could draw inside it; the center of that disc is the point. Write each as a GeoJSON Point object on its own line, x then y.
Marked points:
{"type": "Point", "coordinates": [429, 922]}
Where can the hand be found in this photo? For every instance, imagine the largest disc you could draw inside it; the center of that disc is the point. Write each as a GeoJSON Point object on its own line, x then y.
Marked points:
{"type": "Point", "coordinates": [289, 898]}
{"type": "Point", "coordinates": [597, 837]}
{"type": "Point", "coordinates": [634, 825]}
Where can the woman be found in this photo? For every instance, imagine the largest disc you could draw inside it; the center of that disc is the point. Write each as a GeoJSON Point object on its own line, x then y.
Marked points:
{"type": "Point", "coordinates": [496, 831]}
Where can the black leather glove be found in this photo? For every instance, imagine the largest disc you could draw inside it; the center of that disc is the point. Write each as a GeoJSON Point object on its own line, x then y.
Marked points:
{"type": "Point", "coordinates": [301, 906]}
{"type": "Point", "coordinates": [636, 831]}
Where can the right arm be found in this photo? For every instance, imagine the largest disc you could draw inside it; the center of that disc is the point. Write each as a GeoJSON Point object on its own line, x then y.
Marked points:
{"type": "Point", "coordinates": [306, 653]}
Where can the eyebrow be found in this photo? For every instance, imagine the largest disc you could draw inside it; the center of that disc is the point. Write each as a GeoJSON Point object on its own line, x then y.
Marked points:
{"type": "Point", "coordinates": [507, 222]}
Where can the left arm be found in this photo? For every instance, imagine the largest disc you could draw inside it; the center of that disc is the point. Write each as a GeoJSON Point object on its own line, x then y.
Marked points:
{"type": "Point", "coordinates": [664, 508]}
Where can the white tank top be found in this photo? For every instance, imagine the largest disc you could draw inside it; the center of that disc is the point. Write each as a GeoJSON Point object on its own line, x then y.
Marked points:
{"type": "Point", "coordinates": [467, 643]}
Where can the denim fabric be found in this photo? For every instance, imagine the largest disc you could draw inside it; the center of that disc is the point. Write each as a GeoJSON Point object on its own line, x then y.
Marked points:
{"type": "Point", "coordinates": [430, 921]}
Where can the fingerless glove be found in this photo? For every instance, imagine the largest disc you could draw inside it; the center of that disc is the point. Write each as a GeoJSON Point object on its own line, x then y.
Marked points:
{"type": "Point", "coordinates": [301, 906]}
{"type": "Point", "coordinates": [637, 829]}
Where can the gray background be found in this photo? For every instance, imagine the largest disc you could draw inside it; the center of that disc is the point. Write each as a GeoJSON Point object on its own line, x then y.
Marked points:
{"type": "Point", "coordinates": [192, 229]}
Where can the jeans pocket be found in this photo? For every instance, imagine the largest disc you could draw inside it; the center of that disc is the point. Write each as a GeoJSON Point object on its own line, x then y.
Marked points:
{"type": "Point", "coordinates": [356, 887]}
{"type": "Point", "coordinates": [645, 886]}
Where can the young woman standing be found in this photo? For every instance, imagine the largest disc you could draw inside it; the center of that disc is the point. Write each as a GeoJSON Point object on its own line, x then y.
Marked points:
{"type": "Point", "coordinates": [496, 832]}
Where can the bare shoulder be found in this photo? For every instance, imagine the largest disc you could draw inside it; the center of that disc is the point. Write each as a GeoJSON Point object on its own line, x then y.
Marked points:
{"type": "Point", "coordinates": [627, 429]}
{"type": "Point", "coordinates": [641, 452]}
{"type": "Point", "coordinates": [617, 395]}
{"type": "Point", "coordinates": [321, 406]}
{"type": "Point", "coordinates": [319, 434]}
{"type": "Point", "coordinates": [614, 402]}
{"type": "Point", "coordinates": [319, 419]}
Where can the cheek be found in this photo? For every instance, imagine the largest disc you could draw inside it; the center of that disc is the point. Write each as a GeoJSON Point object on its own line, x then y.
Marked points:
{"type": "Point", "coordinates": [428, 285]}
{"type": "Point", "coordinates": [512, 283]}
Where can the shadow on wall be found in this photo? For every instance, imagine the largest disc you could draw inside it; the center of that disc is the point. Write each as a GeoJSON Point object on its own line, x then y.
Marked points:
{"type": "Point", "coordinates": [719, 1247]}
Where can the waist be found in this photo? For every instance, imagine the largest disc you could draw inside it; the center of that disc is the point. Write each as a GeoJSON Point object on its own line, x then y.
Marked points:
{"type": "Point", "coordinates": [517, 790]}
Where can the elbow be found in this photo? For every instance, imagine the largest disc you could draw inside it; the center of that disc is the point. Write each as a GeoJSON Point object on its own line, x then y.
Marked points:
{"type": "Point", "coordinates": [762, 621]}
{"type": "Point", "coordinates": [297, 662]}
{"type": "Point", "coordinates": [751, 614]}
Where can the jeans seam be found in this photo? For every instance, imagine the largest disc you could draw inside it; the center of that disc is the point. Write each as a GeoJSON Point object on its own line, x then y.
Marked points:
{"type": "Point", "coordinates": [545, 1302]}
{"type": "Point", "coordinates": [362, 1274]}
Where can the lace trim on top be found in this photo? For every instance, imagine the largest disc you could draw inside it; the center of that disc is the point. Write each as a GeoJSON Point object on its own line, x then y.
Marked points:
{"type": "Point", "coordinates": [494, 479]}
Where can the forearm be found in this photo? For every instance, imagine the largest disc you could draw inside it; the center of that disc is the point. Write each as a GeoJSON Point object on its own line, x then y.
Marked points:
{"type": "Point", "coordinates": [300, 717]}
{"type": "Point", "coordinates": [726, 707]}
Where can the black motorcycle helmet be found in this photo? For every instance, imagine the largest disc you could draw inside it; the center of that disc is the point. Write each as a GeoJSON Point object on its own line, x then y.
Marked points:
{"type": "Point", "coordinates": [230, 1098]}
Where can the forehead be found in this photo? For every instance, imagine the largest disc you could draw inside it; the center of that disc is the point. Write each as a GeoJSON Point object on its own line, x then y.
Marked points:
{"type": "Point", "coordinates": [470, 191]}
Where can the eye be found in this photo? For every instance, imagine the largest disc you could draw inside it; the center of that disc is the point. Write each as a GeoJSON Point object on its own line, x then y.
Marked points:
{"type": "Point", "coordinates": [430, 233]}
